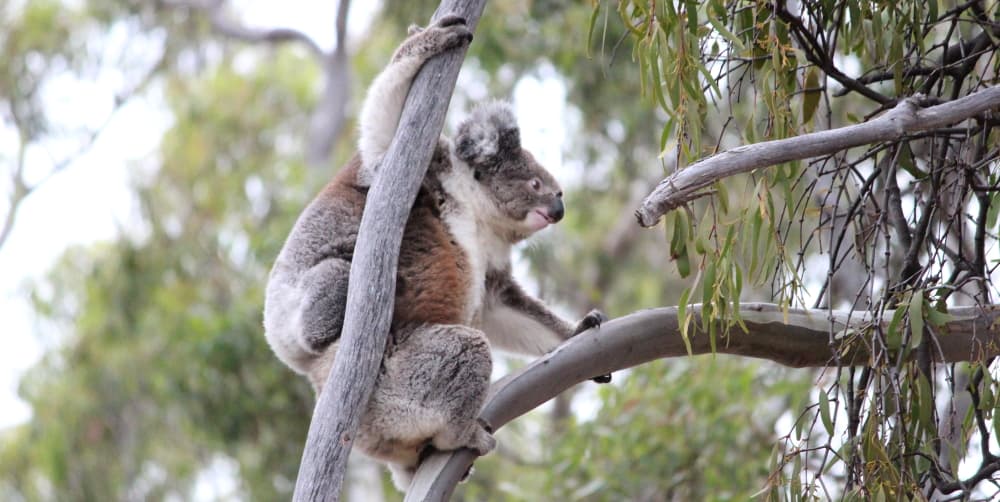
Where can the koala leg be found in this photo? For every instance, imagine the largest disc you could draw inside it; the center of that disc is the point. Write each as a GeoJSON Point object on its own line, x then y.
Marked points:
{"type": "Point", "coordinates": [324, 303]}
{"type": "Point", "coordinates": [383, 104]}
{"type": "Point", "coordinates": [430, 391]}
{"type": "Point", "coordinates": [448, 32]}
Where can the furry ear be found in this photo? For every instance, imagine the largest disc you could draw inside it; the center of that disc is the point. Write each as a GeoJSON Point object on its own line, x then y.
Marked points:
{"type": "Point", "coordinates": [488, 135]}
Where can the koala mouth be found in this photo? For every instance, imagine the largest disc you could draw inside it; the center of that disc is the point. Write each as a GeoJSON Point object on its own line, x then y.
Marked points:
{"type": "Point", "coordinates": [539, 219]}
{"type": "Point", "coordinates": [545, 216]}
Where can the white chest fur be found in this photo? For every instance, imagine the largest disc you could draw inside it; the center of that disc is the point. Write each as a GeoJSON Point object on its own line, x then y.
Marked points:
{"type": "Point", "coordinates": [468, 221]}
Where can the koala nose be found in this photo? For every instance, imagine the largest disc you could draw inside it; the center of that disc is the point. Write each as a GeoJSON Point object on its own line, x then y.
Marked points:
{"type": "Point", "coordinates": [556, 210]}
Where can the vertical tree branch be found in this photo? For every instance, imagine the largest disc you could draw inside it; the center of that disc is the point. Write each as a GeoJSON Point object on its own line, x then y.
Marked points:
{"type": "Point", "coordinates": [373, 272]}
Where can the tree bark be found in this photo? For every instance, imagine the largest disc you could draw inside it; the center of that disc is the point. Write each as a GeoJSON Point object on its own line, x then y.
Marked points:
{"type": "Point", "coordinates": [798, 338]}
{"type": "Point", "coordinates": [906, 117]}
{"type": "Point", "coordinates": [373, 271]}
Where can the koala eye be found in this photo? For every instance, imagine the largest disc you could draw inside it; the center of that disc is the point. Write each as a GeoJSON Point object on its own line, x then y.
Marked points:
{"type": "Point", "coordinates": [535, 184]}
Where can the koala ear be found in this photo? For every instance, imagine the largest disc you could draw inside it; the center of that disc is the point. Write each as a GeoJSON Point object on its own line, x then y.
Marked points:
{"type": "Point", "coordinates": [488, 135]}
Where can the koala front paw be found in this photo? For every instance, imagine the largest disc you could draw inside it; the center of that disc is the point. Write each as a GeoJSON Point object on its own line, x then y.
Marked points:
{"type": "Point", "coordinates": [446, 33]}
{"type": "Point", "coordinates": [593, 319]}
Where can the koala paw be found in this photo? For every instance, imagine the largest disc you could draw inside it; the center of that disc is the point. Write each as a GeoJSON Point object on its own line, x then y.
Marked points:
{"type": "Point", "coordinates": [484, 424]}
{"type": "Point", "coordinates": [482, 441]}
{"type": "Point", "coordinates": [594, 319]}
{"type": "Point", "coordinates": [602, 378]}
{"type": "Point", "coordinates": [449, 20]}
{"type": "Point", "coordinates": [468, 472]}
{"type": "Point", "coordinates": [446, 33]}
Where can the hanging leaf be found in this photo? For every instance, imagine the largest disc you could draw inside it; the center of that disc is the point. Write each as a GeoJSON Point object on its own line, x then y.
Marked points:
{"type": "Point", "coordinates": [810, 95]}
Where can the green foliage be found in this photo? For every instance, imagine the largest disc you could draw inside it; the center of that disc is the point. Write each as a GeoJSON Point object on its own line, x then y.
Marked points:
{"type": "Point", "coordinates": [159, 367]}
{"type": "Point", "coordinates": [36, 42]}
{"type": "Point", "coordinates": [679, 431]}
{"type": "Point", "coordinates": [163, 368]}
{"type": "Point", "coordinates": [771, 70]}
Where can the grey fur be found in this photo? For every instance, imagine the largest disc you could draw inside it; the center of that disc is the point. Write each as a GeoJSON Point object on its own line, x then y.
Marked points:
{"type": "Point", "coordinates": [454, 296]}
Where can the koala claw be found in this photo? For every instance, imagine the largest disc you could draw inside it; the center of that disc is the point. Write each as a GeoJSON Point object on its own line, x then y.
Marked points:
{"type": "Point", "coordinates": [468, 472]}
{"type": "Point", "coordinates": [455, 29]}
{"type": "Point", "coordinates": [485, 425]}
{"type": "Point", "coordinates": [602, 378]}
{"type": "Point", "coordinates": [593, 319]}
{"type": "Point", "coordinates": [449, 20]}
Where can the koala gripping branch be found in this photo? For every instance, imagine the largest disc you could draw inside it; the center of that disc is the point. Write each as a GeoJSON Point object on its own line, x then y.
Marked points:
{"type": "Point", "coordinates": [373, 272]}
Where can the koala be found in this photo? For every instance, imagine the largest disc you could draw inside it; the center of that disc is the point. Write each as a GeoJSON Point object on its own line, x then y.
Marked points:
{"type": "Point", "coordinates": [455, 297]}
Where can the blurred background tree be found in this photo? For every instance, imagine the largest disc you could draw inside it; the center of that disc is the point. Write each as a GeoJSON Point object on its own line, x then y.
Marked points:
{"type": "Point", "coordinates": [158, 380]}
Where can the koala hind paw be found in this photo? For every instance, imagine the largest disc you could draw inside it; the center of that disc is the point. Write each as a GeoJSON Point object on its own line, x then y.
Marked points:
{"type": "Point", "coordinates": [482, 441]}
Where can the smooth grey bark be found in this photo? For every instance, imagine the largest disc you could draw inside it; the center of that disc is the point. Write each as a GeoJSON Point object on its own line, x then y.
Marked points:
{"type": "Point", "coordinates": [373, 271]}
{"type": "Point", "coordinates": [799, 338]}
{"type": "Point", "coordinates": [906, 117]}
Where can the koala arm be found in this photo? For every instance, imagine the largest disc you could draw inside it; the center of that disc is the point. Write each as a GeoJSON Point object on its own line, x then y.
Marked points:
{"type": "Point", "coordinates": [384, 101]}
{"type": "Point", "coordinates": [517, 322]}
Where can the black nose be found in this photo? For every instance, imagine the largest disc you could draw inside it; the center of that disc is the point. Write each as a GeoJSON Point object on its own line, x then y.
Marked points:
{"type": "Point", "coordinates": [556, 210]}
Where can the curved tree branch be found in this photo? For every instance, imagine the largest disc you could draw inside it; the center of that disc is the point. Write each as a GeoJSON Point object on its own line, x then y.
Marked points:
{"type": "Point", "coordinates": [797, 338]}
{"type": "Point", "coordinates": [905, 118]}
{"type": "Point", "coordinates": [371, 285]}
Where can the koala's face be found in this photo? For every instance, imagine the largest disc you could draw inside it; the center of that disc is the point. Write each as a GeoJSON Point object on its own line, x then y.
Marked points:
{"type": "Point", "coordinates": [524, 197]}
{"type": "Point", "coordinates": [522, 191]}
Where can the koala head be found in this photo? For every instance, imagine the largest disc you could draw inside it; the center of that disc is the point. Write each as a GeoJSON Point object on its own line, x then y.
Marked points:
{"type": "Point", "coordinates": [523, 197]}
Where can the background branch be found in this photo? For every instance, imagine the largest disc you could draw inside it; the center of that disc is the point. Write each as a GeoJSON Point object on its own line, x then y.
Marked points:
{"type": "Point", "coordinates": [802, 341]}
{"type": "Point", "coordinates": [906, 117]}
{"type": "Point", "coordinates": [327, 121]}
{"type": "Point", "coordinates": [227, 27]}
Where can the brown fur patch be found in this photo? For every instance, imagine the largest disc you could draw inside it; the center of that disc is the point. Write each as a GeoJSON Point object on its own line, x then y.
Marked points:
{"type": "Point", "coordinates": [432, 282]}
